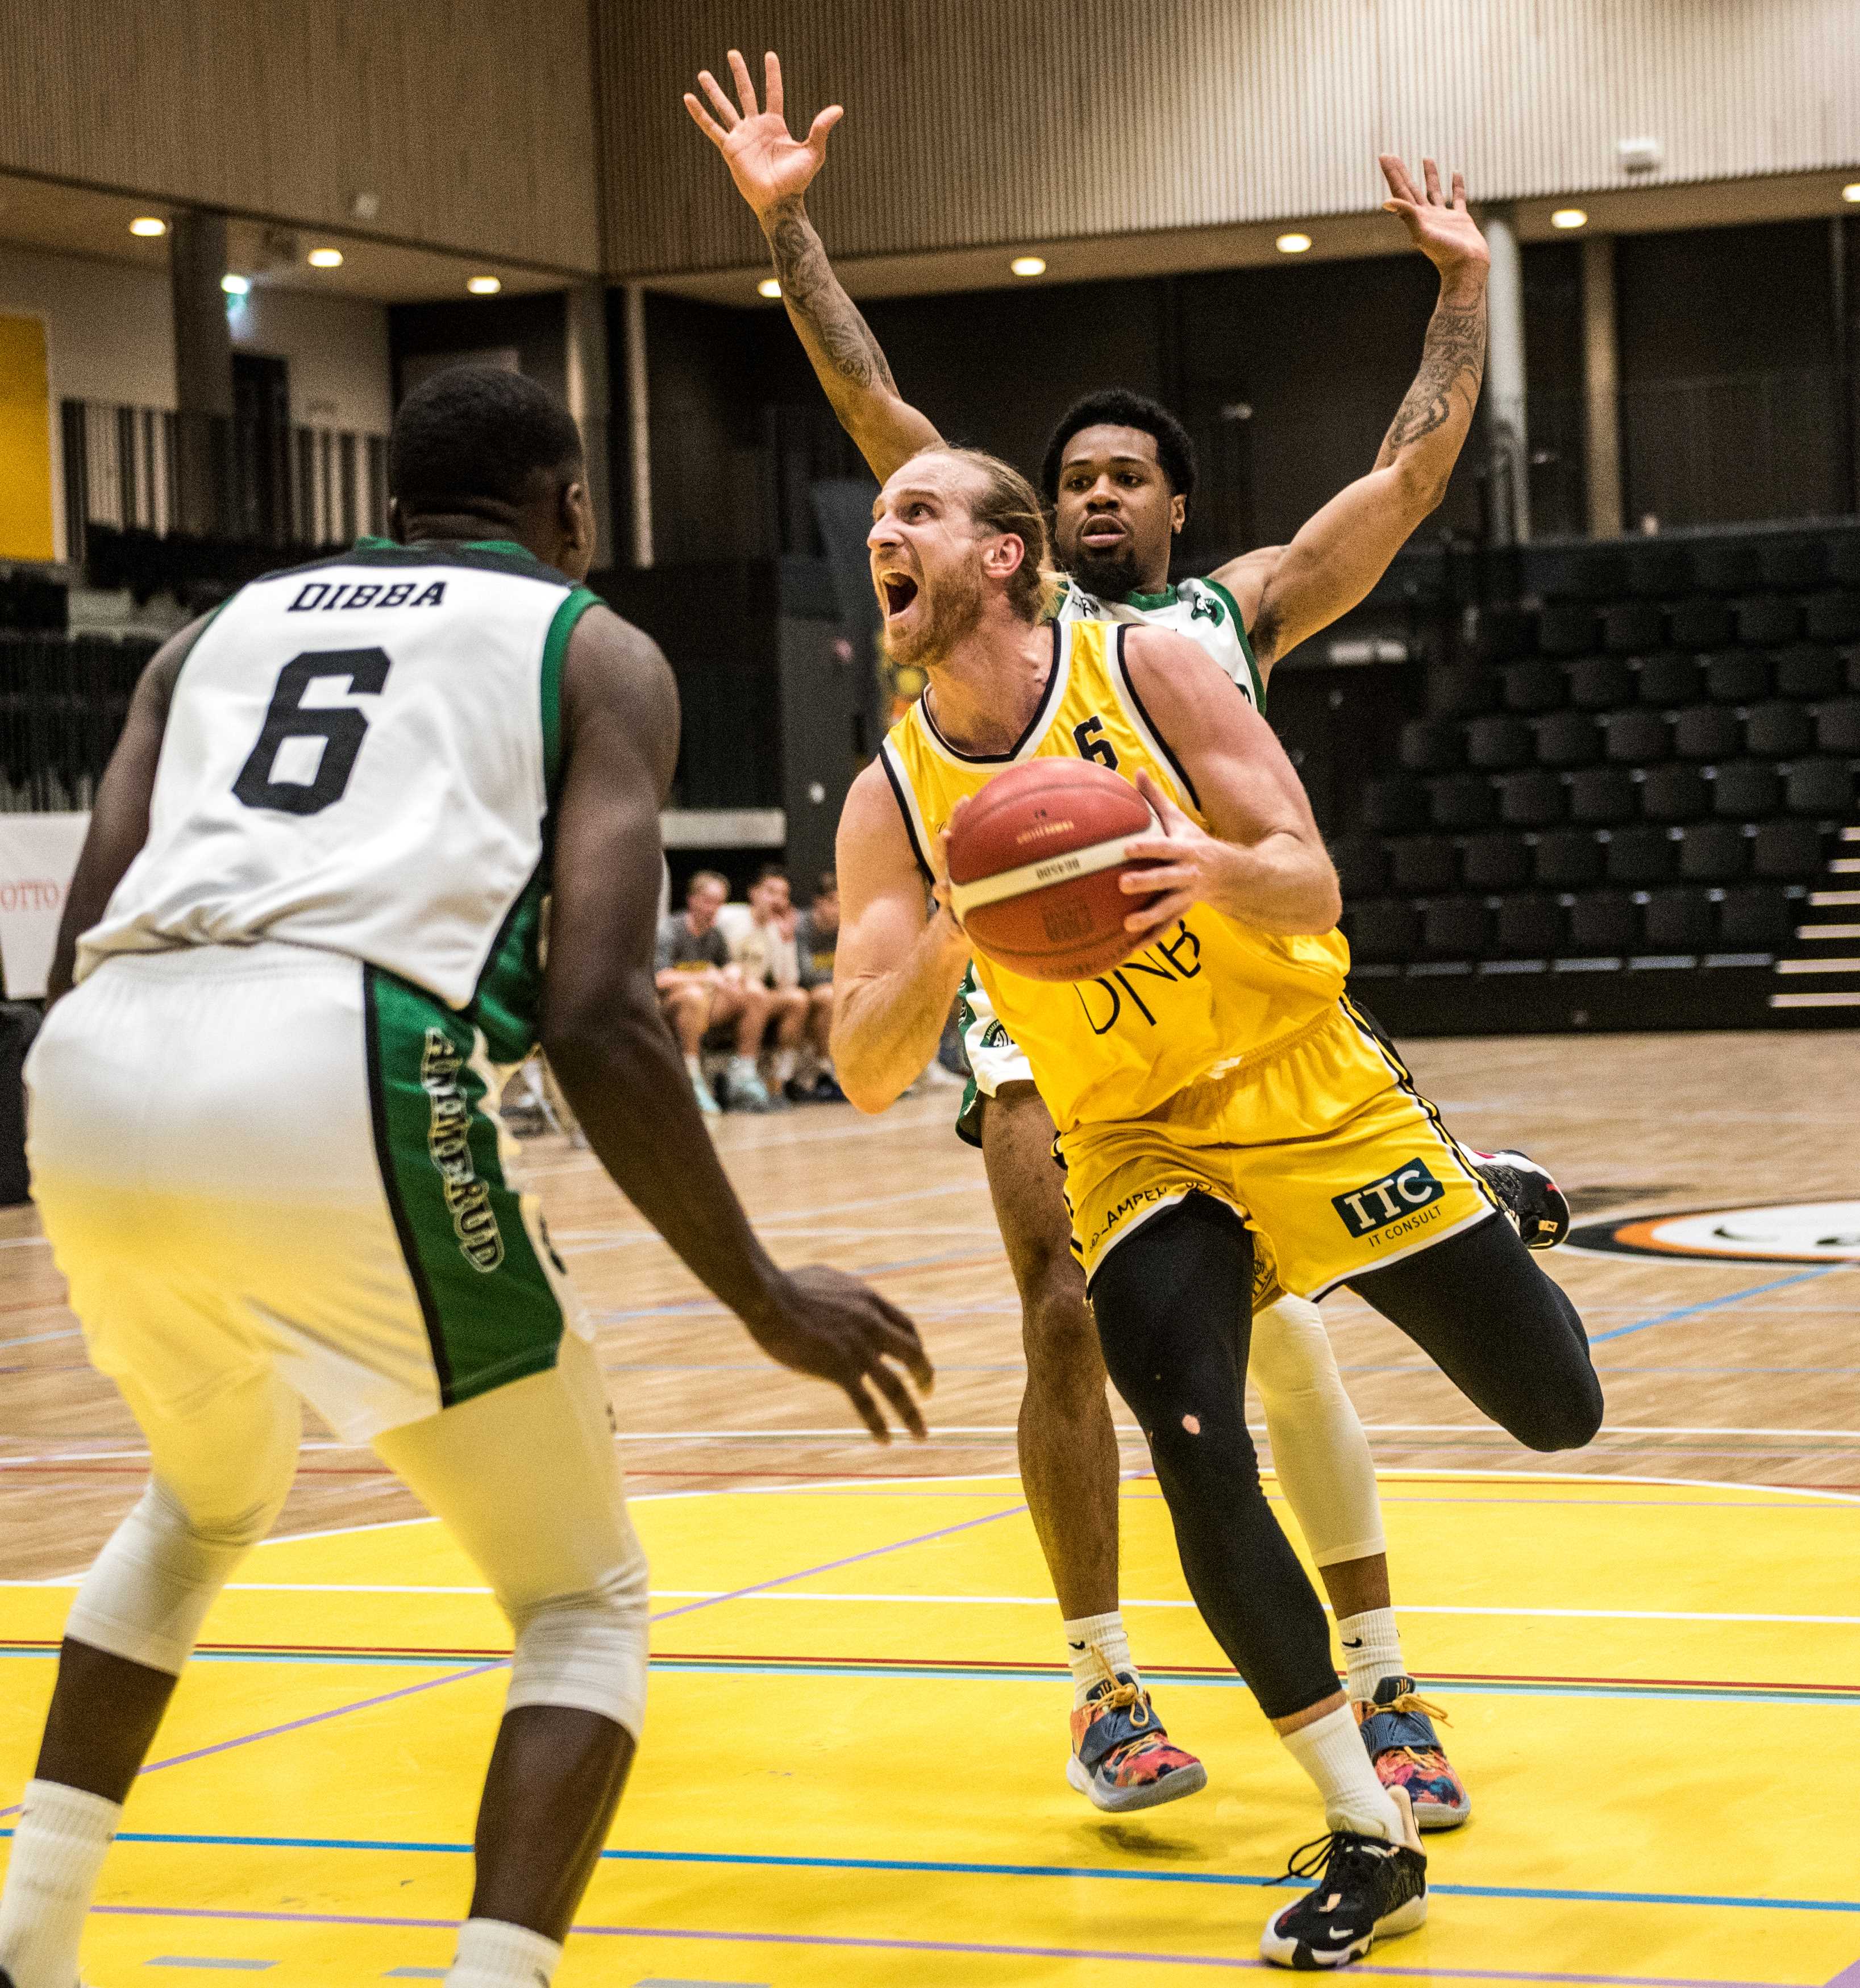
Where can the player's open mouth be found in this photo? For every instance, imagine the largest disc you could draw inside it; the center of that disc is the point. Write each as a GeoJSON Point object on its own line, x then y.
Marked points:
{"type": "Point", "coordinates": [1102, 531]}
{"type": "Point", "coordinates": [900, 590]}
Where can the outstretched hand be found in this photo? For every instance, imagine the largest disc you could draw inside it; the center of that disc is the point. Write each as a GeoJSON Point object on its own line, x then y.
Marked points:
{"type": "Point", "coordinates": [838, 1329]}
{"type": "Point", "coordinates": [768, 163]}
{"type": "Point", "coordinates": [1437, 221]}
{"type": "Point", "coordinates": [1178, 865]}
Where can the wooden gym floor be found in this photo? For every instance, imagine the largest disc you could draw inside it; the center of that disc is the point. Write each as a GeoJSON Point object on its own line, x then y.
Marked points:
{"type": "Point", "coordinates": [1651, 1650]}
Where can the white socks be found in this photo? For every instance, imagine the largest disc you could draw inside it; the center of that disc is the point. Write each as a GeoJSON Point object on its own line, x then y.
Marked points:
{"type": "Point", "coordinates": [59, 1848]}
{"type": "Point", "coordinates": [781, 1066]}
{"type": "Point", "coordinates": [1103, 1634]}
{"type": "Point", "coordinates": [1372, 1648]}
{"type": "Point", "coordinates": [494, 1954]}
{"type": "Point", "coordinates": [1330, 1750]}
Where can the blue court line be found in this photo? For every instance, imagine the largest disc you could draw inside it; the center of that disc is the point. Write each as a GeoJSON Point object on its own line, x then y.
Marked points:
{"type": "Point", "coordinates": [935, 1868]}
{"type": "Point", "coordinates": [1715, 1304]}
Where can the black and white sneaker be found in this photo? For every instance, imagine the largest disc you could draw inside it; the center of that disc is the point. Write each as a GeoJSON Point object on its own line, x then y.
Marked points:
{"type": "Point", "coordinates": [1533, 1201]}
{"type": "Point", "coordinates": [1371, 1889]}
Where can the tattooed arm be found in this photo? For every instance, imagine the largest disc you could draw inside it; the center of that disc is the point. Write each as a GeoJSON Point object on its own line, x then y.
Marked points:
{"type": "Point", "coordinates": [1287, 594]}
{"type": "Point", "coordinates": [772, 170]}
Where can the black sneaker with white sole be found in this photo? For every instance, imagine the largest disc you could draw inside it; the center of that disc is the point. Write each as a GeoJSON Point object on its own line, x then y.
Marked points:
{"type": "Point", "coordinates": [1370, 1889]}
{"type": "Point", "coordinates": [1532, 1200]}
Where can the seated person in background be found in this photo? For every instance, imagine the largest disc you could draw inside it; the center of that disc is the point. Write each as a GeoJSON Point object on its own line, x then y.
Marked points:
{"type": "Point", "coordinates": [760, 935]}
{"type": "Point", "coordinates": [701, 988]}
{"type": "Point", "coordinates": [817, 936]}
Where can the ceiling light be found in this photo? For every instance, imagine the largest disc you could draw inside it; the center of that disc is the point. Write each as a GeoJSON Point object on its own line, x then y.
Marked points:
{"type": "Point", "coordinates": [325, 258]}
{"type": "Point", "coordinates": [234, 286]}
{"type": "Point", "coordinates": [769, 287]}
{"type": "Point", "coordinates": [1029, 265]}
{"type": "Point", "coordinates": [1292, 245]}
{"type": "Point", "coordinates": [1569, 217]}
{"type": "Point", "coordinates": [485, 286]}
{"type": "Point", "coordinates": [1852, 192]}
{"type": "Point", "coordinates": [151, 224]}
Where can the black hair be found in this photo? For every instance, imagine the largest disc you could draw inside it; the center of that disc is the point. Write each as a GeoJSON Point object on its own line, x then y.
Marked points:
{"type": "Point", "coordinates": [1113, 407]}
{"type": "Point", "coordinates": [768, 872]}
{"type": "Point", "coordinates": [473, 434]}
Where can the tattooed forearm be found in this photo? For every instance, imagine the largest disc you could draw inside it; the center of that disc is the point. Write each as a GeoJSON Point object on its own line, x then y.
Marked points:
{"type": "Point", "coordinates": [825, 315]}
{"type": "Point", "coordinates": [1446, 387]}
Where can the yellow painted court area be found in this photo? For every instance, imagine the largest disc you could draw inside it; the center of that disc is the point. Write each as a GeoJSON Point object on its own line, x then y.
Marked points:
{"type": "Point", "coordinates": [852, 1770]}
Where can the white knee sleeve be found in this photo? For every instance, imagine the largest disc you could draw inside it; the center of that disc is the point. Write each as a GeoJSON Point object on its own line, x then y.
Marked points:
{"type": "Point", "coordinates": [1318, 1447]}
{"type": "Point", "coordinates": [148, 1591]}
{"type": "Point", "coordinates": [587, 1651]}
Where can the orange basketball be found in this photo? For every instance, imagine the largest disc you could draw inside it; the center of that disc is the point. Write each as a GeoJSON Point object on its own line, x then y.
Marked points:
{"type": "Point", "coordinates": [1035, 864]}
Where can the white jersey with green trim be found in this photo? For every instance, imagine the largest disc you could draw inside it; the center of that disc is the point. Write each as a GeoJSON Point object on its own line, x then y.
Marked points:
{"type": "Point", "coordinates": [360, 757]}
{"type": "Point", "coordinates": [1202, 610]}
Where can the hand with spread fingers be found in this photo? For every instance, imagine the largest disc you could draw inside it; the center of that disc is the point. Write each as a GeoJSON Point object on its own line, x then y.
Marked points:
{"type": "Point", "coordinates": [824, 1323]}
{"type": "Point", "coordinates": [768, 164]}
{"type": "Point", "coordinates": [1182, 859]}
{"type": "Point", "coordinates": [1437, 221]}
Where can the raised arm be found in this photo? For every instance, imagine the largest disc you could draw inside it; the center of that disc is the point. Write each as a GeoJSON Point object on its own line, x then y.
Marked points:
{"type": "Point", "coordinates": [772, 170]}
{"type": "Point", "coordinates": [897, 965]}
{"type": "Point", "coordinates": [1286, 594]}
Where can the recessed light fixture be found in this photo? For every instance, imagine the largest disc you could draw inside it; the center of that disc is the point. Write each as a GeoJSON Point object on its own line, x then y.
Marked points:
{"type": "Point", "coordinates": [769, 287]}
{"type": "Point", "coordinates": [234, 286]}
{"type": "Point", "coordinates": [149, 225]}
{"type": "Point", "coordinates": [1029, 265]}
{"type": "Point", "coordinates": [1569, 217]}
{"type": "Point", "coordinates": [325, 258]}
{"type": "Point", "coordinates": [485, 286]}
{"type": "Point", "coordinates": [1852, 192]}
{"type": "Point", "coordinates": [1292, 245]}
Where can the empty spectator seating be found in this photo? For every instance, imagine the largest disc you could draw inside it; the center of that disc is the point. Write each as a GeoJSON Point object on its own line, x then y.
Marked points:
{"type": "Point", "coordinates": [1455, 927]}
{"type": "Point", "coordinates": [1702, 624]}
{"type": "Point", "coordinates": [1638, 737]}
{"type": "Point", "coordinates": [1601, 683]}
{"type": "Point", "coordinates": [1467, 690]}
{"type": "Point", "coordinates": [1383, 931]}
{"type": "Point", "coordinates": [1768, 618]}
{"type": "Point", "coordinates": [1707, 731]}
{"type": "Point", "coordinates": [1421, 864]}
{"type": "Point", "coordinates": [1531, 926]}
{"type": "Point", "coordinates": [1641, 855]}
{"type": "Point", "coordinates": [1362, 866]}
{"type": "Point", "coordinates": [1568, 738]}
{"type": "Point", "coordinates": [1715, 852]}
{"type": "Point", "coordinates": [1727, 569]}
{"type": "Point", "coordinates": [1843, 560]}
{"type": "Point", "coordinates": [1462, 801]}
{"type": "Point", "coordinates": [1601, 796]}
{"type": "Point", "coordinates": [1566, 858]}
{"type": "Point", "coordinates": [1806, 671]}
{"type": "Point", "coordinates": [1793, 566]}
{"type": "Point", "coordinates": [1395, 805]}
{"type": "Point", "coordinates": [1532, 799]}
{"type": "Point", "coordinates": [1754, 920]}
{"type": "Point", "coordinates": [1568, 628]}
{"type": "Point", "coordinates": [1834, 617]}
{"type": "Point", "coordinates": [1605, 922]}
{"type": "Point", "coordinates": [1432, 745]}
{"type": "Point", "coordinates": [1737, 676]}
{"type": "Point", "coordinates": [1631, 628]}
{"type": "Point", "coordinates": [1676, 794]}
{"type": "Point", "coordinates": [1535, 687]}
{"type": "Point", "coordinates": [1497, 745]}
{"type": "Point", "coordinates": [1659, 573]}
{"type": "Point", "coordinates": [1788, 852]}
{"type": "Point", "coordinates": [1496, 862]}
{"type": "Point", "coordinates": [1836, 727]}
{"type": "Point", "coordinates": [1819, 787]}
{"type": "Point", "coordinates": [1778, 731]}
{"type": "Point", "coordinates": [1745, 790]}
{"type": "Point", "coordinates": [1670, 678]}
{"type": "Point", "coordinates": [1681, 921]}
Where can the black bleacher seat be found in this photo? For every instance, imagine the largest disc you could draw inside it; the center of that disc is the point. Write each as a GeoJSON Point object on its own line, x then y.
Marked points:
{"type": "Point", "coordinates": [1582, 572]}
{"type": "Point", "coordinates": [1833, 617]}
{"type": "Point", "coordinates": [1715, 852]}
{"type": "Point", "coordinates": [1681, 921]}
{"type": "Point", "coordinates": [1778, 731]}
{"type": "Point", "coordinates": [1395, 805]}
{"type": "Point", "coordinates": [1531, 927]}
{"type": "Point", "coordinates": [1385, 931]}
{"type": "Point", "coordinates": [1755, 920]}
{"type": "Point", "coordinates": [1701, 623]}
{"type": "Point", "coordinates": [1821, 788]}
{"type": "Point", "coordinates": [1566, 858]}
{"type": "Point", "coordinates": [1737, 676]}
{"type": "Point", "coordinates": [1836, 726]}
{"type": "Point", "coordinates": [1503, 633]}
{"type": "Point", "coordinates": [1793, 566]}
{"type": "Point", "coordinates": [1532, 800]}
{"type": "Point", "coordinates": [1766, 619]}
{"type": "Point", "coordinates": [1455, 927]}
{"type": "Point", "coordinates": [1462, 801]}
{"type": "Point", "coordinates": [1788, 852]}
{"type": "Point", "coordinates": [1432, 745]}
{"type": "Point", "coordinates": [1669, 679]}
{"type": "Point", "coordinates": [1806, 671]}
{"type": "Point", "coordinates": [1709, 731]}
{"type": "Point", "coordinates": [1601, 797]}
{"type": "Point", "coordinates": [1601, 683]}
{"type": "Point", "coordinates": [1746, 790]}
{"type": "Point", "coordinates": [1852, 658]}
{"type": "Point", "coordinates": [1605, 922]}
{"type": "Point", "coordinates": [1640, 738]}
{"type": "Point", "coordinates": [1496, 862]}
{"type": "Point", "coordinates": [1499, 744]}
{"type": "Point", "coordinates": [1535, 687]}
{"type": "Point", "coordinates": [1465, 690]}
{"type": "Point", "coordinates": [1419, 864]}
{"type": "Point", "coordinates": [1567, 628]}
{"type": "Point", "coordinates": [1844, 559]}
{"type": "Point", "coordinates": [1641, 855]}
{"type": "Point", "coordinates": [1631, 628]}
{"type": "Point", "coordinates": [1658, 572]}
{"type": "Point", "coordinates": [1362, 865]}
{"type": "Point", "coordinates": [1676, 794]}
{"type": "Point", "coordinates": [1727, 569]}
{"type": "Point", "coordinates": [1568, 738]}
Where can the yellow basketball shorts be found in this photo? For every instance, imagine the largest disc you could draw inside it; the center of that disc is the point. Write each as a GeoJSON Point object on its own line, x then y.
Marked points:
{"type": "Point", "coordinates": [1323, 1147]}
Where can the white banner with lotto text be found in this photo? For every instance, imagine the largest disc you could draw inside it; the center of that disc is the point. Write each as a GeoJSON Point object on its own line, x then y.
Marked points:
{"type": "Point", "coordinates": [38, 854]}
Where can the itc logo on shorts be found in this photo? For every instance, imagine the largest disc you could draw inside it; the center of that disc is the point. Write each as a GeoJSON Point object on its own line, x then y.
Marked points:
{"type": "Point", "coordinates": [1409, 1187]}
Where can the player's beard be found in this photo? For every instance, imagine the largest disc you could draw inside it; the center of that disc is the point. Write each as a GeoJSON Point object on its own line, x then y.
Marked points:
{"type": "Point", "coordinates": [955, 609]}
{"type": "Point", "coordinates": [1110, 575]}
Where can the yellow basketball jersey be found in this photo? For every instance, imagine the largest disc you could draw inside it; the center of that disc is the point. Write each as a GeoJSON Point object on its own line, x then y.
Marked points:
{"type": "Point", "coordinates": [1200, 1001]}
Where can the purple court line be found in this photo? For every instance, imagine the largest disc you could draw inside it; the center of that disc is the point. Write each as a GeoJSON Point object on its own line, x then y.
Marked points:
{"type": "Point", "coordinates": [1227, 1961]}
{"type": "Point", "coordinates": [1848, 1977]}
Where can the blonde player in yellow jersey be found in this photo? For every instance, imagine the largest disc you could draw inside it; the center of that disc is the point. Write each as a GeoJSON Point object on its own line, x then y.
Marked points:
{"type": "Point", "coordinates": [1227, 1122]}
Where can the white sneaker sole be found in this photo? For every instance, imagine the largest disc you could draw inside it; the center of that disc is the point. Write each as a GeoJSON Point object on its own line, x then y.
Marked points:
{"type": "Point", "coordinates": [1120, 1801]}
{"type": "Point", "coordinates": [1284, 1952]}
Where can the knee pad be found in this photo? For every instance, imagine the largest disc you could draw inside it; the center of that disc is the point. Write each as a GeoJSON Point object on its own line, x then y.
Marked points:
{"type": "Point", "coordinates": [587, 1651]}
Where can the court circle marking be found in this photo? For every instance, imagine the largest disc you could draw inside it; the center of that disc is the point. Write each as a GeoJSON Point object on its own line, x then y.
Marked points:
{"type": "Point", "coordinates": [1799, 1232]}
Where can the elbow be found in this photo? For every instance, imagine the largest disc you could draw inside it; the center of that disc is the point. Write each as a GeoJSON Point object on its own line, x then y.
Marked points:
{"type": "Point", "coordinates": [1423, 488]}
{"type": "Point", "coordinates": [1314, 905]}
{"type": "Point", "coordinates": [582, 1038]}
{"type": "Point", "coordinates": [863, 1098]}
{"type": "Point", "coordinates": [866, 1090]}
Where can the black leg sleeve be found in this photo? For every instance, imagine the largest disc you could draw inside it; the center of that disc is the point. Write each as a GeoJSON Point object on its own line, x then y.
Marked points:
{"type": "Point", "coordinates": [1174, 1309]}
{"type": "Point", "coordinates": [1501, 1331]}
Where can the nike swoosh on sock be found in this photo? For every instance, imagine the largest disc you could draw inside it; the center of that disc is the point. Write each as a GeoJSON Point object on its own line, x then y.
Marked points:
{"type": "Point", "coordinates": [1353, 1642]}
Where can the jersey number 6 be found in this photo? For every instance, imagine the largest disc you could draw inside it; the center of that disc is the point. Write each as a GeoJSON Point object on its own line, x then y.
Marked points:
{"type": "Point", "coordinates": [339, 730]}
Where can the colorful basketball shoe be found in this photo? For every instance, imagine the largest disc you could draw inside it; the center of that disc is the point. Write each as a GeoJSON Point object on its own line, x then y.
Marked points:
{"type": "Point", "coordinates": [1370, 1889]}
{"type": "Point", "coordinates": [1122, 1758]}
{"type": "Point", "coordinates": [1397, 1729]}
{"type": "Point", "coordinates": [1536, 1205]}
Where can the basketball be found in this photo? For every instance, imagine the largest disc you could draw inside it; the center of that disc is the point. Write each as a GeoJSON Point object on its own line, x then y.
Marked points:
{"type": "Point", "coordinates": [1036, 862]}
